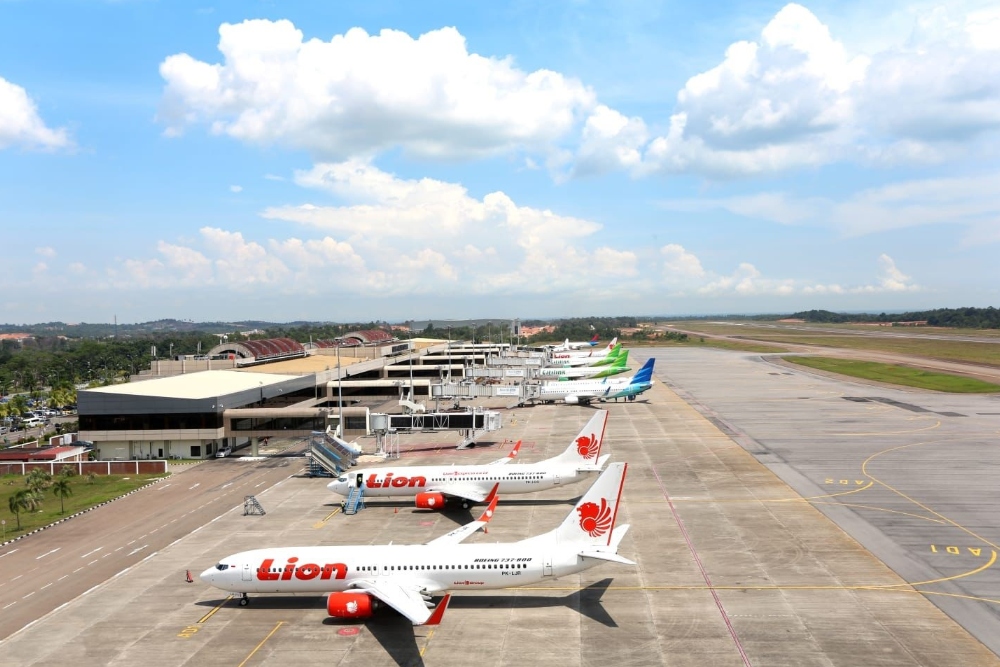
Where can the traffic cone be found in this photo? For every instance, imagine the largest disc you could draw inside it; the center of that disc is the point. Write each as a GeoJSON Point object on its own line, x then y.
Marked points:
{"type": "Point", "coordinates": [189, 579]}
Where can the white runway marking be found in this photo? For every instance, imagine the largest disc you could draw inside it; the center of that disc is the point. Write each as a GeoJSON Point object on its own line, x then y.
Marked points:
{"type": "Point", "coordinates": [47, 553]}
{"type": "Point", "coordinates": [135, 551]}
{"type": "Point", "coordinates": [195, 486]}
{"type": "Point", "coordinates": [9, 552]}
{"type": "Point", "coordinates": [163, 487]}
{"type": "Point", "coordinates": [91, 552]}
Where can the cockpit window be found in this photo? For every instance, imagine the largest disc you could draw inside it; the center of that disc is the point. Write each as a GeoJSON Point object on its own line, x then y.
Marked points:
{"type": "Point", "coordinates": [341, 479]}
{"type": "Point", "coordinates": [221, 566]}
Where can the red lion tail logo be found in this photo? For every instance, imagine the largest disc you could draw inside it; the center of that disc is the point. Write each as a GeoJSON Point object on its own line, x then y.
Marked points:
{"type": "Point", "coordinates": [594, 520]}
{"type": "Point", "coordinates": [587, 447]}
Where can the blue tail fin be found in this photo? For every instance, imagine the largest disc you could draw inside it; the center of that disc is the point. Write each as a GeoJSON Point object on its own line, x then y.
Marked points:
{"type": "Point", "coordinates": [593, 341]}
{"type": "Point", "coordinates": [644, 374]}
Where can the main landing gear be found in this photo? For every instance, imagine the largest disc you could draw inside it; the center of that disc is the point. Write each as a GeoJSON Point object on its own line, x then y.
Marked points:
{"type": "Point", "coordinates": [244, 599]}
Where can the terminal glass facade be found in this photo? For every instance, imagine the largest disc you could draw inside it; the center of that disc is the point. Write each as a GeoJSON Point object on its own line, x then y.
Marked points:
{"type": "Point", "coordinates": [151, 422]}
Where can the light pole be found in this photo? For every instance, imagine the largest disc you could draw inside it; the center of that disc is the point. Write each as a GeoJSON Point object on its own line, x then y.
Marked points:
{"type": "Point", "coordinates": [340, 396]}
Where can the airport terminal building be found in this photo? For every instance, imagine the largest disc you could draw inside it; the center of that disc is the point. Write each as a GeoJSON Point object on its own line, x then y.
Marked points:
{"type": "Point", "coordinates": [192, 408]}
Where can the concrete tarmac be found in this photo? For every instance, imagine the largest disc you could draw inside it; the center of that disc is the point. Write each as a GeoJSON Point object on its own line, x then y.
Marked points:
{"type": "Point", "coordinates": [735, 566]}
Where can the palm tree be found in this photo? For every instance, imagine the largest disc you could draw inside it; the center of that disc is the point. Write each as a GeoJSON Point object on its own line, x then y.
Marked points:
{"type": "Point", "coordinates": [37, 480]}
{"type": "Point", "coordinates": [22, 500]}
{"type": "Point", "coordinates": [62, 490]}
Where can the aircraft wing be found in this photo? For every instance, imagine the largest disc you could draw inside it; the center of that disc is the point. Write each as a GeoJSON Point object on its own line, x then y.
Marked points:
{"type": "Point", "coordinates": [402, 595]}
{"type": "Point", "coordinates": [466, 490]}
{"type": "Point", "coordinates": [509, 457]}
{"type": "Point", "coordinates": [462, 532]}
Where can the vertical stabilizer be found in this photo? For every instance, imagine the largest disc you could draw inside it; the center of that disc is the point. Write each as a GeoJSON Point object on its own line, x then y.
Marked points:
{"type": "Point", "coordinates": [644, 374]}
{"type": "Point", "coordinates": [591, 523]}
{"type": "Point", "coordinates": [586, 446]}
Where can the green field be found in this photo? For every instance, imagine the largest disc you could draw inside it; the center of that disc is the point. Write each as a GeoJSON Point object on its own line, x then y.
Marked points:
{"type": "Point", "coordinates": [987, 354]}
{"type": "Point", "coordinates": [737, 345]}
{"type": "Point", "coordinates": [901, 375]}
{"type": "Point", "coordinates": [85, 494]}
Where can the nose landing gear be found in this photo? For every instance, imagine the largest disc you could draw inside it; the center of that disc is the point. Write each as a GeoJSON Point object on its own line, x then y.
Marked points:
{"type": "Point", "coordinates": [244, 599]}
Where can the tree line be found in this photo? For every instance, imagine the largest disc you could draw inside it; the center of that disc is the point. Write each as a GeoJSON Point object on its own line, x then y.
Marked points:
{"type": "Point", "coordinates": [959, 318]}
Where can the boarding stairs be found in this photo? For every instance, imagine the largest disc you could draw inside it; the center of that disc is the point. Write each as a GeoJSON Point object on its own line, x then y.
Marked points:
{"type": "Point", "coordinates": [355, 500]}
{"type": "Point", "coordinates": [330, 456]}
{"type": "Point", "coordinates": [252, 507]}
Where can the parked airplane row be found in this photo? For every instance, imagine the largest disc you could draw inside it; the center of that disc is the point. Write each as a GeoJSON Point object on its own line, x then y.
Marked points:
{"type": "Point", "coordinates": [358, 579]}
{"type": "Point", "coordinates": [432, 486]}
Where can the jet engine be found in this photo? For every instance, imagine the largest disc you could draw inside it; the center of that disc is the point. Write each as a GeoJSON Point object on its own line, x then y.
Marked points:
{"type": "Point", "coordinates": [430, 500]}
{"type": "Point", "coordinates": [572, 400]}
{"type": "Point", "coordinates": [351, 605]}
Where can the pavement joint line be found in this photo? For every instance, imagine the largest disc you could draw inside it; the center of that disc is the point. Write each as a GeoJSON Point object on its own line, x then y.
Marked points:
{"type": "Point", "coordinates": [704, 572]}
{"type": "Point", "coordinates": [262, 642]}
{"type": "Point", "coordinates": [217, 608]}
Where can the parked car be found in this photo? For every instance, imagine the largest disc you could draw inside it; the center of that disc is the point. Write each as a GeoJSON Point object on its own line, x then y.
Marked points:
{"type": "Point", "coordinates": [32, 422]}
{"type": "Point", "coordinates": [225, 451]}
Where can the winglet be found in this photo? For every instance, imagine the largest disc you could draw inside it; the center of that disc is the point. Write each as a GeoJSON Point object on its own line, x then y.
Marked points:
{"type": "Point", "coordinates": [442, 606]}
{"type": "Point", "coordinates": [492, 499]}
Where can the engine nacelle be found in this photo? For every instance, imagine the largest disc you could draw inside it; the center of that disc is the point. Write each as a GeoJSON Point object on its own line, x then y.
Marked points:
{"type": "Point", "coordinates": [351, 605]}
{"type": "Point", "coordinates": [430, 500]}
{"type": "Point", "coordinates": [571, 400]}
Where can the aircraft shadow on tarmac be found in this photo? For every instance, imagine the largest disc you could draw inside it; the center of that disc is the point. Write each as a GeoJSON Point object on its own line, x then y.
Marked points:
{"type": "Point", "coordinates": [399, 639]}
{"type": "Point", "coordinates": [460, 516]}
{"type": "Point", "coordinates": [398, 636]}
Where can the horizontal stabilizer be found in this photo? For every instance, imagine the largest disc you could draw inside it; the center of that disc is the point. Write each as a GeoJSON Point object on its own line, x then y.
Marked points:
{"type": "Point", "coordinates": [606, 555]}
{"type": "Point", "coordinates": [597, 467]}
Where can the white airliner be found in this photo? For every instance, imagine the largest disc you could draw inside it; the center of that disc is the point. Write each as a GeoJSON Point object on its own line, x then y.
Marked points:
{"type": "Point", "coordinates": [432, 486]}
{"type": "Point", "coordinates": [358, 578]}
{"type": "Point", "coordinates": [585, 391]}
{"type": "Point", "coordinates": [576, 345]}
{"type": "Point", "coordinates": [616, 366]}
{"type": "Point", "coordinates": [592, 353]}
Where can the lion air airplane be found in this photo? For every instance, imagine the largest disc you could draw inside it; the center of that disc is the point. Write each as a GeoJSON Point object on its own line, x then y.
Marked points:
{"type": "Point", "coordinates": [359, 578]}
{"type": "Point", "coordinates": [592, 354]}
{"type": "Point", "coordinates": [432, 486]}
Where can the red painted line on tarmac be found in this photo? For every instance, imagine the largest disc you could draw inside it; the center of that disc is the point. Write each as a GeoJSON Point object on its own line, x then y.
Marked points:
{"type": "Point", "coordinates": [704, 573]}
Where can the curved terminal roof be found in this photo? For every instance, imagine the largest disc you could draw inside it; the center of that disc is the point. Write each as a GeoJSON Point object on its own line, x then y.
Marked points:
{"type": "Point", "coordinates": [356, 338]}
{"type": "Point", "coordinates": [261, 350]}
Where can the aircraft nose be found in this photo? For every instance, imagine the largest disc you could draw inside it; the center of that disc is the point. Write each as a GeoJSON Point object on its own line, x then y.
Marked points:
{"type": "Point", "coordinates": [208, 576]}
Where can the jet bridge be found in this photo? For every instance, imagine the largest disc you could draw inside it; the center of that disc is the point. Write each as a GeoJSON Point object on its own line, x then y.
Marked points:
{"type": "Point", "coordinates": [518, 393]}
{"type": "Point", "coordinates": [471, 425]}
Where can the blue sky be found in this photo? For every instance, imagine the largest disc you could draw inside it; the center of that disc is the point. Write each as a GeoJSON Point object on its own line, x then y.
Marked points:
{"type": "Point", "coordinates": [393, 160]}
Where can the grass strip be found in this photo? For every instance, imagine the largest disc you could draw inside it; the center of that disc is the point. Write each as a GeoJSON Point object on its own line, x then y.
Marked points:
{"type": "Point", "coordinates": [86, 494]}
{"type": "Point", "coordinates": [896, 374]}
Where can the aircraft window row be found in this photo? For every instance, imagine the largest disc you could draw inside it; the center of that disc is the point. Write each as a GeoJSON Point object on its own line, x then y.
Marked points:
{"type": "Point", "coordinates": [487, 479]}
{"type": "Point", "coordinates": [476, 566]}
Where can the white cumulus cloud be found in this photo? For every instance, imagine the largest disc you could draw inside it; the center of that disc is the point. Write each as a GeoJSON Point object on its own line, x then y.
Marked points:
{"type": "Point", "coordinates": [796, 97]}
{"type": "Point", "coordinates": [20, 124]}
{"type": "Point", "coordinates": [358, 94]}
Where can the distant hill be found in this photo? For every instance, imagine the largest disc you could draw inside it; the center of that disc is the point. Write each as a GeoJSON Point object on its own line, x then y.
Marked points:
{"type": "Point", "coordinates": [166, 326]}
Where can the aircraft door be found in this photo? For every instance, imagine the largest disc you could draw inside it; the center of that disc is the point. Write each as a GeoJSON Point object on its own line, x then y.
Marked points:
{"type": "Point", "coordinates": [556, 478]}
{"type": "Point", "coordinates": [247, 574]}
{"type": "Point", "coordinates": [359, 480]}
{"type": "Point", "coordinates": [547, 565]}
